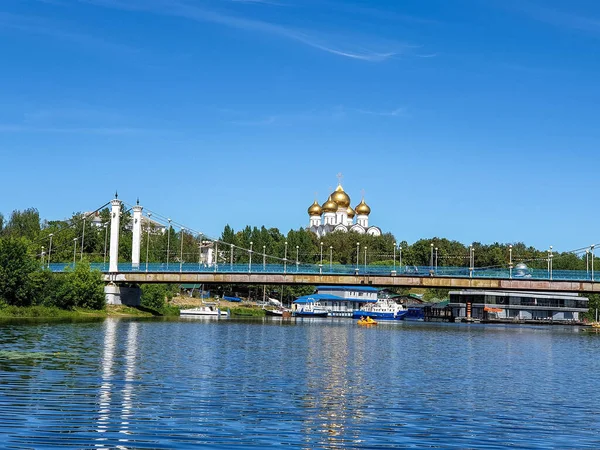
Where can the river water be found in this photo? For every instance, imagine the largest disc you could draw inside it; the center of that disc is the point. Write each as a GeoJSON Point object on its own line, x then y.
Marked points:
{"type": "Point", "coordinates": [321, 383]}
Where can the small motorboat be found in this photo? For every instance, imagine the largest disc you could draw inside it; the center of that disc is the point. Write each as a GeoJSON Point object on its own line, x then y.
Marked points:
{"type": "Point", "coordinates": [206, 310]}
{"type": "Point", "coordinates": [310, 309]}
{"type": "Point", "coordinates": [275, 312]}
{"type": "Point", "coordinates": [367, 321]}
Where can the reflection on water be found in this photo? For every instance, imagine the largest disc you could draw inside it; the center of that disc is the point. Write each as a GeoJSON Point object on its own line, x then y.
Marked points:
{"type": "Point", "coordinates": [305, 384]}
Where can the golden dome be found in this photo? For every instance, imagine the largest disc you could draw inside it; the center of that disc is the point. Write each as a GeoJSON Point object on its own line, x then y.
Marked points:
{"type": "Point", "coordinates": [340, 197]}
{"type": "Point", "coordinates": [315, 209]}
{"type": "Point", "coordinates": [330, 205]}
{"type": "Point", "coordinates": [350, 212]}
{"type": "Point", "coordinates": [363, 208]}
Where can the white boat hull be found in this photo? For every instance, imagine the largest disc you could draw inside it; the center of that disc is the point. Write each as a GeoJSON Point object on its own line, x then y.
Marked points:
{"type": "Point", "coordinates": [202, 312]}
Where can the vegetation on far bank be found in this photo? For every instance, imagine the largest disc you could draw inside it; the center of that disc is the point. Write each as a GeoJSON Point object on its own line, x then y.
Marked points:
{"type": "Point", "coordinates": [25, 242]}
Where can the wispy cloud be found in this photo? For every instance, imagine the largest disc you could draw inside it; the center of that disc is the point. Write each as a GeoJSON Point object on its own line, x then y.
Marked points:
{"type": "Point", "coordinates": [263, 2]}
{"type": "Point", "coordinates": [17, 128]}
{"type": "Point", "coordinates": [336, 113]}
{"type": "Point", "coordinates": [398, 112]}
{"type": "Point", "coordinates": [562, 19]}
{"type": "Point", "coordinates": [255, 123]}
{"type": "Point", "coordinates": [58, 30]}
{"type": "Point", "coordinates": [338, 45]}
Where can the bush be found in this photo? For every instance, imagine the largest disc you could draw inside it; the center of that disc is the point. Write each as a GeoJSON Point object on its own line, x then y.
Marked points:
{"type": "Point", "coordinates": [16, 266]}
{"type": "Point", "coordinates": [81, 287]}
{"type": "Point", "coordinates": [154, 295]}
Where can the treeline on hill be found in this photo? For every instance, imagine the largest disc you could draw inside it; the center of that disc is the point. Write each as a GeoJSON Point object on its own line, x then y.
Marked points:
{"type": "Point", "coordinates": [86, 238]}
{"type": "Point", "coordinates": [24, 282]}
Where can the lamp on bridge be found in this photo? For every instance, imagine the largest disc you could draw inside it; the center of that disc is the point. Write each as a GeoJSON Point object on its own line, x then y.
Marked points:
{"type": "Point", "coordinates": [400, 260]}
{"type": "Point", "coordinates": [587, 263]}
{"type": "Point", "coordinates": [50, 250]}
{"type": "Point", "coordinates": [321, 263]}
{"type": "Point", "coordinates": [285, 258]}
{"type": "Point", "coordinates": [250, 258]}
{"type": "Point", "coordinates": [357, 251]}
{"type": "Point", "coordinates": [297, 254]}
{"type": "Point", "coordinates": [510, 263]}
{"type": "Point", "coordinates": [181, 251]}
{"type": "Point", "coordinates": [592, 252]}
{"type": "Point", "coordinates": [394, 271]}
{"type": "Point", "coordinates": [74, 250]}
{"type": "Point", "coordinates": [431, 257]}
{"type": "Point", "coordinates": [168, 242]}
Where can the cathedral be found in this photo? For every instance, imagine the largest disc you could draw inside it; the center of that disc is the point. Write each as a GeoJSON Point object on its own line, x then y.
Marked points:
{"type": "Point", "coordinates": [336, 214]}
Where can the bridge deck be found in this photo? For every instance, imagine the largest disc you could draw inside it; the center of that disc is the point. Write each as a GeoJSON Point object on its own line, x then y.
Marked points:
{"type": "Point", "coordinates": [382, 276]}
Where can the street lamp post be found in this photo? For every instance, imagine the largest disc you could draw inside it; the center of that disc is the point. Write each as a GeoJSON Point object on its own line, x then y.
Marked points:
{"type": "Point", "coordinates": [50, 249]}
{"type": "Point", "coordinates": [147, 242]}
{"type": "Point", "coordinates": [216, 256]}
{"type": "Point", "coordinates": [168, 243]}
{"type": "Point", "coordinates": [250, 258]}
{"type": "Point", "coordinates": [285, 258]}
{"type": "Point", "coordinates": [550, 255]}
{"type": "Point", "coordinates": [297, 259]}
{"type": "Point", "coordinates": [365, 259]}
{"type": "Point", "coordinates": [321, 263]}
{"type": "Point", "coordinates": [592, 253]}
{"type": "Point", "coordinates": [74, 250]}
{"type": "Point", "coordinates": [436, 260]}
{"type": "Point", "coordinates": [357, 249]}
{"type": "Point", "coordinates": [394, 271]}
{"type": "Point", "coordinates": [400, 256]}
{"type": "Point", "coordinates": [264, 257]}
{"type": "Point", "coordinates": [510, 263]}
{"type": "Point", "coordinates": [471, 261]}
{"type": "Point", "coordinates": [330, 258]}
{"type": "Point", "coordinates": [105, 240]}
{"type": "Point", "coordinates": [587, 264]}
{"type": "Point", "coordinates": [431, 257]}
{"type": "Point", "coordinates": [43, 254]}
{"type": "Point", "coordinates": [82, 239]}
{"type": "Point", "coordinates": [231, 258]}
{"type": "Point", "coordinates": [181, 251]}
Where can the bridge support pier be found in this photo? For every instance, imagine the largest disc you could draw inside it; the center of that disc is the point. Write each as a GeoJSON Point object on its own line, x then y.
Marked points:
{"type": "Point", "coordinates": [122, 295]}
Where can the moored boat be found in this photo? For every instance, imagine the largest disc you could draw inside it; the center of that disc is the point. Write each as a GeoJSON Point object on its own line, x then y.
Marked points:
{"type": "Point", "coordinates": [383, 309]}
{"type": "Point", "coordinates": [206, 310]}
{"type": "Point", "coordinates": [307, 306]}
{"type": "Point", "coordinates": [275, 312]}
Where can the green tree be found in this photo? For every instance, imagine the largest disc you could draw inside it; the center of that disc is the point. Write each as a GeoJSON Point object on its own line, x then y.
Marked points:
{"type": "Point", "coordinates": [24, 223]}
{"type": "Point", "coordinates": [154, 295]}
{"type": "Point", "coordinates": [16, 267]}
{"type": "Point", "coordinates": [81, 287]}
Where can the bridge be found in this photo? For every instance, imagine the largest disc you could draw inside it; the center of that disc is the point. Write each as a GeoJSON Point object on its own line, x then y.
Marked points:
{"type": "Point", "coordinates": [122, 278]}
{"type": "Point", "coordinates": [373, 275]}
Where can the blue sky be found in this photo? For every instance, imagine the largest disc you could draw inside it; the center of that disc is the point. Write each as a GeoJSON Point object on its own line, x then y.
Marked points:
{"type": "Point", "coordinates": [475, 120]}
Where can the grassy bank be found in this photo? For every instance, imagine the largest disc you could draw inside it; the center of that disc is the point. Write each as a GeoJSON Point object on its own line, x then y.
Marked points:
{"type": "Point", "coordinates": [51, 312]}
{"type": "Point", "coordinates": [246, 311]}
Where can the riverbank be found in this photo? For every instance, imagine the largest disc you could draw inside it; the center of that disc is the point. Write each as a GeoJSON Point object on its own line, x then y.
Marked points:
{"type": "Point", "coordinates": [51, 312]}
{"type": "Point", "coordinates": [172, 308]}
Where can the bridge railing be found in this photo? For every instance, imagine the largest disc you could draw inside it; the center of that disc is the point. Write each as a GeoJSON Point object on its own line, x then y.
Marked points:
{"type": "Point", "coordinates": [338, 269]}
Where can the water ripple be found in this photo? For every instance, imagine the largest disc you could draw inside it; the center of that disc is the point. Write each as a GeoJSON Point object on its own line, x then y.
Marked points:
{"type": "Point", "coordinates": [307, 384]}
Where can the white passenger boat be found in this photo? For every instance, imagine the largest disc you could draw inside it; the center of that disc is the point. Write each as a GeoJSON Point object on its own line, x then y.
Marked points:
{"type": "Point", "coordinates": [206, 310]}
{"type": "Point", "coordinates": [385, 309]}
